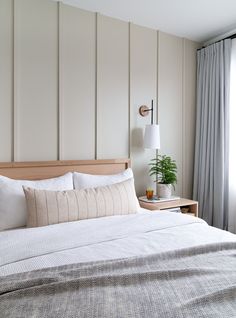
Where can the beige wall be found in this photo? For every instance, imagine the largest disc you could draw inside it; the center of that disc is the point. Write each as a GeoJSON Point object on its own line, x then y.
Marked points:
{"type": "Point", "coordinates": [72, 81]}
{"type": "Point", "coordinates": [176, 112]}
{"type": "Point", "coordinates": [6, 80]}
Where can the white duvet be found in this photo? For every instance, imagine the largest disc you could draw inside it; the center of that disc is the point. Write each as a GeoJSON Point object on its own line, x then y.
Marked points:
{"type": "Point", "coordinates": [103, 238]}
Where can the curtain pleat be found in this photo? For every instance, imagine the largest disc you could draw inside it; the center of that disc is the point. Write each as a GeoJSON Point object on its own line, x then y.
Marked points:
{"type": "Point", "coordinates": [210, 187]}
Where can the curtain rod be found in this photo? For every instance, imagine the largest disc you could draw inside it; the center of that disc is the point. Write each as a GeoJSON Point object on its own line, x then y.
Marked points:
{"type": "Point", "coordinates": [229, 35]}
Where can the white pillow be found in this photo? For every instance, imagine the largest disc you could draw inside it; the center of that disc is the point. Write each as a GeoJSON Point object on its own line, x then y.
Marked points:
{"type": "Point", "coordinates": [85, 181]}
{"type": "Point", "coordinates": [13, 209]}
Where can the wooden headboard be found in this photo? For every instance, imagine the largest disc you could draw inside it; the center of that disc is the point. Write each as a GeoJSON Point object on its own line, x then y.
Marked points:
{"type": "Point", "coordinates": [50, 169]}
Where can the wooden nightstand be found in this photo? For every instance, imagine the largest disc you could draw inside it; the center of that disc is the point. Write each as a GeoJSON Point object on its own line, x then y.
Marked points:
{"type": "Point", "coordinates": [184, 204]}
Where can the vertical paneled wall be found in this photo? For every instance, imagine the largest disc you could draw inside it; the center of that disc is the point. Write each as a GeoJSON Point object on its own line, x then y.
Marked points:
{"type": "Point", "coordinates": [77, 57]}
{"type": "Point", "coordinates": [143, 88]}
{"type": "Point", "coordinates": [6, 79]}
{"type": "Point", "coordinates": [170, 100]}
{"type": "Point", "coordinates": [189, 111]}
{"type": "Point", "coordinates": [72, 82]}
{"type": "Point", "coordinates": [112, 88]}
{"type": "Point", "coordinates": [35, 80]}
{"type": "Point", "coordinates": [176, 98]}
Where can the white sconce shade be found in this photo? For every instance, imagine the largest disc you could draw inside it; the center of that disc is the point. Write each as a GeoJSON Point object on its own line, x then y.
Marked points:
{"type": "Point", "coordinates": [152, 137]}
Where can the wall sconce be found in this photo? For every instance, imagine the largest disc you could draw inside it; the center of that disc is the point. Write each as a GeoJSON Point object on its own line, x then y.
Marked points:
{"type": "Point", "coordinates": [152, 132]}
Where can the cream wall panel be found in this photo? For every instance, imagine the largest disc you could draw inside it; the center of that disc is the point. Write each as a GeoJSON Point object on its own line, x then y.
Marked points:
{"type": "Point", "coordinates": [36, 80]}
{"type": "Point", "coordinates": [189, 115]}
{"type": "Point", "coordinates": [170, 100]}
{"type": "Point", "coordinates": [77, 83]}
{"type": "Point", "coordinates": [112, 88]}
{"type": "Point", "coordinates": [81, 88]}
{"type": "Point", "coordinates": [6, 79]}
{"type": "Point", "coordinates": [143, 88]}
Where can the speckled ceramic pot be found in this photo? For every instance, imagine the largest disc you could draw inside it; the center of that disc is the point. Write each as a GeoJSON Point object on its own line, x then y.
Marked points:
{"type": "Point", "coordinates": [164, 190]}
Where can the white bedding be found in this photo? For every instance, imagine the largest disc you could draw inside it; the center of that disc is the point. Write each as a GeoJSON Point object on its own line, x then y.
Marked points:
{"type": "Point", "coordinates": [103, 238]}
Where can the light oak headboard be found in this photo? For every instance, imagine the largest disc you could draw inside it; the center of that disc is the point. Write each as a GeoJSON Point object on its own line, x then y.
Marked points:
{"type": "Point", "coordinates": [50, 169]}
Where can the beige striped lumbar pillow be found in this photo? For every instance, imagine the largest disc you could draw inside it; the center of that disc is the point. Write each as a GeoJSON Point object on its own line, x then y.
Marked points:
{"type": "Point", "coordinates": [50, 207]}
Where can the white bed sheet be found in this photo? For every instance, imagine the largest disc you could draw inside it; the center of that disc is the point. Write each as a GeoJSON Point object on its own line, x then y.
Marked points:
{"type": "Point", "coordinates": [103, 238]}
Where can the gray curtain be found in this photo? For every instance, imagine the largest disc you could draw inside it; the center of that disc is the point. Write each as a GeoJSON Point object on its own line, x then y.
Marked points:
{"type": "Point", "coordinates": [210, 186]}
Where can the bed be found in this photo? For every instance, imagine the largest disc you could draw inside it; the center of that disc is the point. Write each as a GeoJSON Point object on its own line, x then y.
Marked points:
{"type": "Point", "coordinates": [144, 264]}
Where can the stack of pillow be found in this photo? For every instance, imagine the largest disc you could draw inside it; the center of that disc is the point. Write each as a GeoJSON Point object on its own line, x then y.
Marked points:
{"type": "Point", "coordinates": [71, 197]}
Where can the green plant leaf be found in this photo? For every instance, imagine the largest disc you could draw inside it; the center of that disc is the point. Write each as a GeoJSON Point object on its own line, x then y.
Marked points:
{"type": "Point", "coordinates": [164, 168]}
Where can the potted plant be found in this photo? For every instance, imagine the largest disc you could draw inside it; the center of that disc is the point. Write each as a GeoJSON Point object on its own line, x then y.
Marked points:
{"type": "Point", "coordinates": [165, 170]}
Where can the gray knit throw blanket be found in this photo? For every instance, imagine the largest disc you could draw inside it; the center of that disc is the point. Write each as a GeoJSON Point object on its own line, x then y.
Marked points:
{"type": "Point", "coordinates": [193, 282]}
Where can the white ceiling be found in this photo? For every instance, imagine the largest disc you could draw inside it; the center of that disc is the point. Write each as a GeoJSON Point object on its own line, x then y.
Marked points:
{"type": "Point", "coordinates": [198, 20]}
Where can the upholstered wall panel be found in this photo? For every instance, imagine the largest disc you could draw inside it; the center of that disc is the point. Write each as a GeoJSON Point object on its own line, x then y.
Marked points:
{"type": "Point", "coordinates": [36, 80]}
{"type": "Point", "coordinates": [170, 100]}
{"type": "Point", "coordinates": [112, 88]}
{"type": "Point", "coordinates": [77, 83]}
{"type": "Point", "coordinates": [6, 79]}
{"type": "Point", "coordinates": [143, 88]}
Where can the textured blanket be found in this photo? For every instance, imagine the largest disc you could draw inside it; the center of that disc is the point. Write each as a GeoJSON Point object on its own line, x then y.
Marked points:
{"type": "Point", "coordinates": [196, 282]}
